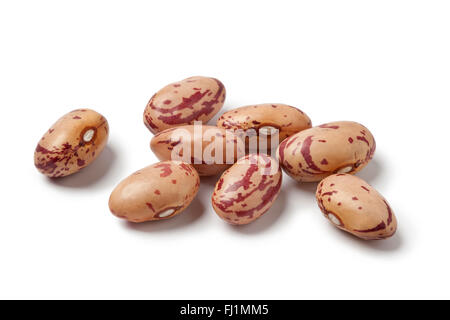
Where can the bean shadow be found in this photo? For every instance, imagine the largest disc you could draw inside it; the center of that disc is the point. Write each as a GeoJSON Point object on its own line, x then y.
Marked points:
{"type": "Point", "coordinates": [191, 214]}
{"type": "Point", "coordinates": [372, 171]}
{"type": "Point", "coordinates": [306, 187]}
{"type": "Point", "coordinates": [265, 222]}
{"type": "Point", "coordinates": [91, 175]}
{"type": "Point", "coordinates": [210, 181]}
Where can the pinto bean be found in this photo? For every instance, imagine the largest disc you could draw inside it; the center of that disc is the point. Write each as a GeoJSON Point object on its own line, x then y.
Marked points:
{"type": "Point", "coordinates": [157, 192]}
{"type": "Point", "coordinates": [72, 143]}
{"type": "Point", "coordinates": [248, 189]}
{"type": "Point", "coordinates": [352, 205]}
{"type": "Point", "coordinates": [337, 147]}
{"type": "Point", "coordinates": [211, 150]}
{"type": "Point", "coordinates": [264, 119]}
{"type": "Point", "coordinates": [181, 103]}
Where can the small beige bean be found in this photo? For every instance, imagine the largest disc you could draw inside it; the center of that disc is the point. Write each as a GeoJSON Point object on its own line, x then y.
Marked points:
{"type": "Point", "coordinates": [72, 143]}
{"type": "Point", "coordinates": [265, 118]}
{"type": "Point", "coordinates": [337, 147]}
{"type": "Point", "coordinates": [352, 205]}
{"type": "Point", "coordinates": [157, 192]}
{"type": "Point", "coordinates": [190, 144]}
{"type": "Point", "coordinates": [183, 102]}
{"type": "Point", "coordinates": [248, 189]}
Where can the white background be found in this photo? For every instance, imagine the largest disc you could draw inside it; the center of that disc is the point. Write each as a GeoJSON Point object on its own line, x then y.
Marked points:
{"type": "Point", "coordinates": [385, 64]}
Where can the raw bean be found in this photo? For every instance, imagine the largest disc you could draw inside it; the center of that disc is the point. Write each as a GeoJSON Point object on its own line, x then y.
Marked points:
{"type": "Point", "coordinates": [72, 143]}
{"type": "Point", "coordinates": [157, 192]}
{"type": "Point", "coordinates": [337, 147]}
{"type": "Point", "coordinates": [265, 118]}
{"type": "Point", "coordinates": [248, 189]}
{"type": "Point", "coordinates": [183, 102]}
{"type": "Point", "coordinates": [186, 144]}
{"type": "Point", "coordinates": [352, 205]}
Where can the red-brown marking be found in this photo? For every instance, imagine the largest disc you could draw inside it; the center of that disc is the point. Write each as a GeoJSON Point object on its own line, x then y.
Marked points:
{"type": "Point", "coordinates": [188, 103]}
{"type": "Point", "coordinates": [327, 126]}
{"type": "Point", "coordinates": [220, 184]}
{"type": "Point", "coordinates": [281, 149]}
{"type": "Point", "coordinates": [306, 153]}
{"type": "Point", "coordinates": [379, 227]}
{"type": "Point", "coordinates": [166, 169]}
{"type": "Point", "coordinates": [266, 198]}
{"type": "Point", "coordinates": [186, 167]}
{"type": "Point", "coordinates": [363, 139]}
{"type": "Point", "coordinates": [150, 124]}
{"type": "Point", "coordinates": [150, 206]}
{"type": "Point", "coordinates": [389, 220]}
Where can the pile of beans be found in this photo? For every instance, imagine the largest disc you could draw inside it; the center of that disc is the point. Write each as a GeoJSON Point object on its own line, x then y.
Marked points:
{"type": "Point", "coordinates": [250, 180]}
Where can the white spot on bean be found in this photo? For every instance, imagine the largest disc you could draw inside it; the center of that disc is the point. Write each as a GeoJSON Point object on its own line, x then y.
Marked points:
{"type": "Point", "coordinates": [166, 213]}
{"type": "Point", "coordinates": [334, 219]}
{"type": "Point", "coordinates": [346, 169]}
{"type": "Point", "coordinates": [88, 135]}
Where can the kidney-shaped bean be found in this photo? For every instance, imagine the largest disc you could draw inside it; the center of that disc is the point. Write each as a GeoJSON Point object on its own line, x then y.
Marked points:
{"type": "Point", "coordinates": [211, 150]}
{"type": "Point", "coordinates": [265, 118]}
{"type": "Point", "coordinates": [248, 189]}
{"type": "Point", "coordinates": [352, 205]}
{"type": "Point", "coordinates": [157, 192]}
{"type": "Point", "coordinates": [183, 102]}
{"type": "Point", "coordinates": [72, 143]}
{"type": "Point", "coordinates": [337, 147]}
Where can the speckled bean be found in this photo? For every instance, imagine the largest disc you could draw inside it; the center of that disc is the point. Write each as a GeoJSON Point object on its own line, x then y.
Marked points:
{"type": "Point", "coordinates": [169, 142]}
{"type": "Point", "coordinates": [157, 192]}
{"type": "Point", "coordinates": [263, 118]}
{"type": "Point", "coordinates": [248, 189]}
{"type": "Point", "coordinates": [183, 102]}
{"type": "Point", "coordinates": [353, 205]}
{"type": "Point", "coordinates": [72, 143]}
{"type": "Point", "coordinates": [337, 147]}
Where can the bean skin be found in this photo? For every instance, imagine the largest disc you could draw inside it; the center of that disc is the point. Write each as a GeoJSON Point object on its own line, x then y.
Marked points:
{"type": "Point", "coordinates": [352, 205]}
{"type": "Point", "coordinates": [337, 147]}
{"type": "Point", "coordinates": [286, 119]}
{"type": "Point", "coordinates": [182, 103]}
{"type": "Point", "coordinates": [72, 143]}
{"type": "Point", "coordinates": [182, 141]}
{"type": "Point", "coordinates": [157, 192]}
{"type": "Point", "coordinates": [248, 189]}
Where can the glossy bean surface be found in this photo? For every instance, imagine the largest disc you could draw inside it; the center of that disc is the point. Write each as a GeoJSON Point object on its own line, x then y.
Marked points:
{"type": "Point", "coordinates": [263, 118]}
{"type": "Point", "coordinates": [157, 192]}
{"type": "Point", "coordinates": [351, 204]}
{"type": "Point", "coordinates": [210, 149]}
{"type": "Point", "coordinates": [183, 102]}
{"type": "Point", "coordinates": [248, 189]}
{"type": "Point", "coordinates": [337, 147]}
{"type": "Point", "coordinates": [72, 143]}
